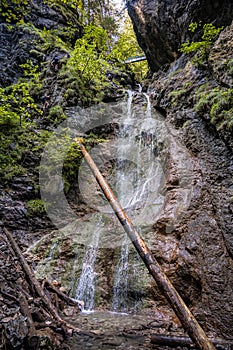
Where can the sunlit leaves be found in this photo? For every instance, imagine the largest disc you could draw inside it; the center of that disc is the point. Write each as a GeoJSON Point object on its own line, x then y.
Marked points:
{"type": "Point", "coordinates": [14, 10]}
{"type": "Point", "coordinates": [210, 33]}
{"type": "Point", "coordinates": [89, 57]}
{"type": "Point", "coordinates": [126, 47]}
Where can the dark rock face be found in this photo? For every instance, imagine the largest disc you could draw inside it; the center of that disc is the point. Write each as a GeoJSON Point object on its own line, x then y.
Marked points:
{"type": "Point", "coordinates": [18, 43]}
{"type": "Point", "coordinates": [202, 270]}
{"type": "Point", "coordinates": [162, 25]}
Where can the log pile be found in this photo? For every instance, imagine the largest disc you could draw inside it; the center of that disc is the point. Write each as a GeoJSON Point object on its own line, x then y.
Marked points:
{"type": "Point", "coordinates": [29, 309]}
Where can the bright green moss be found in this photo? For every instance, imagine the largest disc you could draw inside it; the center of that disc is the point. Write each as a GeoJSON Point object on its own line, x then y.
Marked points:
{"type": "Point", "coordinates": [218, 103]}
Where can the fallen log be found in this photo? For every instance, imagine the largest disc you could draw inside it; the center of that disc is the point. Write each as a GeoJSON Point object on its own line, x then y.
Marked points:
{"type": "Point", "coordinates": [175, 341]}
{"type": "Point", "coordinates": [32, 334]}
{"type": "Point", "coordinates": [35, 285]}
{"type": "Point", "coordinates": [48, 285]}
{"type": "Point", "coordinates": [187, 319]}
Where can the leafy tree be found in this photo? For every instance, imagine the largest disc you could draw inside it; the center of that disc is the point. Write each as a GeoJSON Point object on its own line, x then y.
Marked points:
{"type": "Point", "coordinates": [90, 57]}
{"type": "Point", "coordinates": [127, 46]}
{"type": "Point", "coordinates": [202, 48]}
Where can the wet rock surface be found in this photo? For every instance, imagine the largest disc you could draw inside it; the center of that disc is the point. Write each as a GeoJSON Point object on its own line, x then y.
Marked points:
{"type": "Point", "coordinates": [202, 270]}
{"type": "Point", "coordinates": [161, 26]}
{"type": "Point", "coordinates": [195, 245]}
{"type": "Point", "coordinates": [19, 43]}
{"type": "Point", "coordinates": [121, 331]}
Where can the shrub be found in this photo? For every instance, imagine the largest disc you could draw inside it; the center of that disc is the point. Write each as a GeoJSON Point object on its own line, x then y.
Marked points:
{"type": "Point", "coordinates": [201, 48]}
{"type": "Point", "coordinates": [217, 102]}
{"type": "Point", "coordinates": [35, 207]}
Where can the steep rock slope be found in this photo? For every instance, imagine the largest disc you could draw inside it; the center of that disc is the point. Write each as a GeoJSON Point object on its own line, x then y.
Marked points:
{"type": "Point", "coordinates": [189, 95]}
{"type": "Point", "coordinates": [18, 43]}
{"type": "Point", "coordinates": [162, 25]}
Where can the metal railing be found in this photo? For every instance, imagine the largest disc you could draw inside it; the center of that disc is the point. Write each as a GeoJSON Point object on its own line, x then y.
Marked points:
{"type": "Point", "coordinates": [135, 59]}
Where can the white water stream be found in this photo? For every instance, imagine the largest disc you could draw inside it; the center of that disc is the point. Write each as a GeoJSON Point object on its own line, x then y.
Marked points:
{"type": "Point", "coordinates": [133, 184]}
{"type": "Point", "coordinates": [102, 267]}
{"type": "Point", "coordinates": [86, 285]}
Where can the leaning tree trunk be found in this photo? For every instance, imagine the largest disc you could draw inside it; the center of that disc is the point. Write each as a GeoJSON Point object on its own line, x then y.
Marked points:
{"type": "Point", "coordinates": [187, 319]}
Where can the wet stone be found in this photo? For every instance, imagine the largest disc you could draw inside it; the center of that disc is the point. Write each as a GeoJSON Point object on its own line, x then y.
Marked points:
{"type": "Point", "coordinates": [111, 330]}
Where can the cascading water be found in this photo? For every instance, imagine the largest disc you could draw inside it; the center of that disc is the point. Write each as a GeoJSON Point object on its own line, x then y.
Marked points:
{"type": "Point", "coordinates": [86, 286]}
{"type": "Point", "coordinates": [132, 186]}
{"type": "Point", "coordinates": [121, 275]}
{"type": "Point", "coordinates": [120, 286]}
{"type": "Point", "coordinates": [100, 266]}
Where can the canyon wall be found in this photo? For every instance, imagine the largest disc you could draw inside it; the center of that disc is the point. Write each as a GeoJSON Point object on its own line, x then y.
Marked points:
{"type": "Point", "coordinates": [202, 268]}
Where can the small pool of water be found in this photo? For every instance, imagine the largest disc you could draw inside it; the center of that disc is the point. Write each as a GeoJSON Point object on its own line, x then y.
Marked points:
{"type": "Point", "coordinates": [112, 330]}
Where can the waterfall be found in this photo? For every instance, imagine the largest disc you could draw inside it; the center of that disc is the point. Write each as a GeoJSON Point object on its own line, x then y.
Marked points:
{"type": "Point", "coordinates": [120, 286]}
{"type": "Point", "coordinates": [148, 108]}
{"type": "Point", "coordinates": [122, 191]}
{"type": "Point", "coordinates": [86, 286]}
{"type": "Point", "coordinates": [102, 267]}
{"type": "Point", "coordinates": [133, 186]}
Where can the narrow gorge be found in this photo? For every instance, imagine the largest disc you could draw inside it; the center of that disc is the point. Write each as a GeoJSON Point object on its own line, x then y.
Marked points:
{"type": "Point", "coordinates": [163, 143]}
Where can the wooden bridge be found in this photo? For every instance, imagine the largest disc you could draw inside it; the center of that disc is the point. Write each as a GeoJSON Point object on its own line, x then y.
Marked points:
{"type": "Point", "coordinates": [135, 59]}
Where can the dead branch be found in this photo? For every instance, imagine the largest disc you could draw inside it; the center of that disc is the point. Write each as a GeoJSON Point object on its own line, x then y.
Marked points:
{"type": "Point", "coordinates": [26, 312]}
{"type": "Point", "coordinates": [47, 284]}
{"type": "Point", "coordinates": [36, 285]}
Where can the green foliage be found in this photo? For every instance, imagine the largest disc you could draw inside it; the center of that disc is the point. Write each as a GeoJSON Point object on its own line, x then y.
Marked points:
{"type": "Point", "coordinates": [30, 70]}
{"type": "Point", "coordinates": [218, 103]}
{"type": "Point", "coordinates": [89, 55]}
{"type": "Point", "coordinates": [35, 207]}
{"type": "Point", "coordinates": [127, 46]}
{"type": "Point", "coordinates": [16, 146]}
{"type": "Point", "coordinates": [10, 158]}
{"type": "Point", "coordinates": [17, 104]}
{"type": "Point", "coordinates": [56, 114]}
{"type": "Point", "coordinates": [71, 165]}
{"type": "Point", "coordinates": [7, 115]}
{"type": "Point", "coordinates": [201, 48]}
{"type": "Point", "coordinates": [48, 39]}
{"type": "Point", "coordinates": [177, 95]}
{"type": "Point", "coordinates": [51, 40]}
{"type": "Point", "coordinates": [228, 66]}
{"type": "Point", "coordinates": [64, 155]}
{"type": "Point", "coordinates": [21, 102]}
{"type": "Point", "coordinates": [14, 10]}
{"type": "Point", "coordinates": [88, 64]}
{"type": "Point", "coordinates": [71, 3]}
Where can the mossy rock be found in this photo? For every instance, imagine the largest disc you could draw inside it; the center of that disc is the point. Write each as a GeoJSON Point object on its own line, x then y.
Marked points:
{"type": "Point", "coordinates": [35, 207]}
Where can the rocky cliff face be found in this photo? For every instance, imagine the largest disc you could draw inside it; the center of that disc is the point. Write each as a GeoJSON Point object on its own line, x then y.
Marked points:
{"type": "Point", "coordinates": [162, 25]}
{"type": "Point", "coordinates": [18, 43]}
{"type": "Point", "coordinates": [202, 270]}
{"type": "Point", "coordinates": [197, 250]}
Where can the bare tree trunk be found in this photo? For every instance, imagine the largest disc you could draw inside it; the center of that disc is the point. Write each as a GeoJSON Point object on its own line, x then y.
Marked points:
{"type": "Point", "coordinates": [188, 321]}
